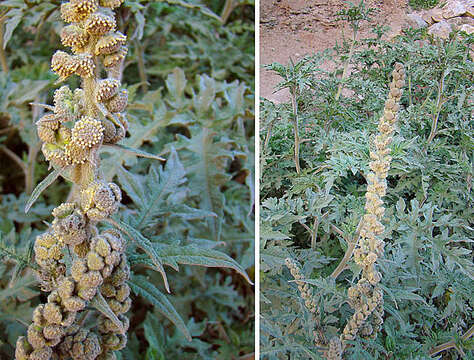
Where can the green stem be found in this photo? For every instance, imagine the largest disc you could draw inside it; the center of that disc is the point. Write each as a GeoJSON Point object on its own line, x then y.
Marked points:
{"type": "Point", "coordinates": [15, 158]}
{"type": "Point", "coordinates": [3, 58]}
{"type": "Point", "coordinates": [141, 67]}
{"type": "Point", "coordinates": [268, 136]}
{"type": "Point", "coordinates": [30, 171]}
{"type": "Point", "coordinates": [350, 249]}
{"type": "Point", "coordinates": [295, 126]}
{"type": "Point", "coordinates": [346, 65]}
{"type": "Point", "coordinates": [227, 10]}
{"type": "Point", "coordinates": [439, 105]}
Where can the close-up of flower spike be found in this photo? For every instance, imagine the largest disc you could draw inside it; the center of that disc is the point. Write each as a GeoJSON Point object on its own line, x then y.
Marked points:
{"type": "Point", "coordinates": [81, 122]}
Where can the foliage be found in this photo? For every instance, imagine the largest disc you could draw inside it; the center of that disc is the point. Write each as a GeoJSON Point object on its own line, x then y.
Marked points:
{"type": "Point", "coordinates": [313, 217]}
{"type": "Point", "coordinates": [190, 81]}
{"type": "Point", "coordinates": [423, 4]}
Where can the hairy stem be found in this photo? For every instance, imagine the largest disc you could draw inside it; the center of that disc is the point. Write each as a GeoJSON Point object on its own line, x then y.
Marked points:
{"type": "Point", "coordinates": [268, 136]}
{"type": "Point", "coordinates": [351, 245]}
{"type": "Point", "coordinates": [227, 10]}
{"type": "Point", "coordinates": [346, 65]}
{"type": "Point", "coordinates": [295, 126]}
{"type": "Point", "coordinates": [141, 67]}
{"type": "Point", "coordinates": [30, 172]}
{"type": "Point", "coordinates": [439, 105]}
{"type": "Point", "coordinates": [3, 58]}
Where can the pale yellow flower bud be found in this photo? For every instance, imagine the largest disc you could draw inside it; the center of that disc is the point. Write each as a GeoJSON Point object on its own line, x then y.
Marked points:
{"type": "Point", "coordinates": [110, 44]}
{"type": "Point", "coordinates": [99, 24]}
{"type": "Point", "coordinates": [88, 132]}
{"type": "Point", "coordinates": [115, 59]}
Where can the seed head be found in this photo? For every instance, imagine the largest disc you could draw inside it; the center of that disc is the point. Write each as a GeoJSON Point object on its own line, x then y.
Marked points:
{"type": "Point", "coordinates": [87, 132]}
{"type": "Point", "coordinates": [87, 293]}
{"type": "Point", "coordinates": [46, 127]}
{"type": "Point", "coordinates": [115, 59]}
{"type": "Point", "coordinates": [99, 24]}
{"type": "Point", "coordinates": [51, 332]}
{"type": "Point", "coordinates": [69, 13]}
{"type": "Point", "coordinates": [85, 65]}
{"type": "Point", "coordinates": [23, 349]}
{"type": "Point", "coordinates": [111, 3]}
{"type": "Point", "coordinates": [76, 153]}
{"type": "Point", "coordinates": [78, 269]}
{"type": "Point", "coordinates": [74, 303]}
{"type": "Point", "coordinates": [90, 279]}
{"type": "Point", "coordinates": [85, 7]}
{"type": "Point", "coordinates": [100, 199]}
{"type": "Point", "coordinates": [119, 102]}
{"type": "Point", "coordinates": [109, 44]}
{"type": "Point", "coordinates": [106, 89]}
{"type": "Point", "coordinates": [74, 36]}
{"type": "Point", "coordinates": [63, 64]}
{"type": "Point", "coordinates": [41, 354]}
{"type": "Point", "coordinates": [66, 288]}
{"type": "Point", "coordinates": [52, 313]}
{"type": "Point", "coordinates": [95, 261]}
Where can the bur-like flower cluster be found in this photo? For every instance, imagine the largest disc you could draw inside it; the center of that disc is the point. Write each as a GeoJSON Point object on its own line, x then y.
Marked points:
{"type": "Point", "coordinates": [309, 300]}
{"type": "Point", "coordinates": [304, 288]}
{"type": "Point", "coordinates": [76, 261]}
{"type": "Point", "coordinates": [335, 349]}
{"type": "Point", "coordinates": [366, 297]}
{"type": "Point", "coordinates": [93, 38]}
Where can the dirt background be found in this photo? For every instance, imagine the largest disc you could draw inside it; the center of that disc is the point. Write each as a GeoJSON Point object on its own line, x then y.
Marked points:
{"type": "Point", "coordinates": [295, 28]}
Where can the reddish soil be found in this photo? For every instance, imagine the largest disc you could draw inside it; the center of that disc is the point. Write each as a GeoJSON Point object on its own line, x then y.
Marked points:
{"type": "Point", "coordinates": [295, 28]}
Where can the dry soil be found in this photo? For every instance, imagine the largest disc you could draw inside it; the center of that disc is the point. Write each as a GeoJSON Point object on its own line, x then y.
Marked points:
{"type": "Point", "coordinates": [295, 28]}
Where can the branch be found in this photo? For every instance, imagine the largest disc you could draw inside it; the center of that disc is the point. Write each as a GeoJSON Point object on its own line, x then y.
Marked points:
{"type": "Point", "coordinates": [15, 158]}
{"type": "Point", "coordinates": [350, 249]}
{"type": "Point", "coordinates": [451, 344]}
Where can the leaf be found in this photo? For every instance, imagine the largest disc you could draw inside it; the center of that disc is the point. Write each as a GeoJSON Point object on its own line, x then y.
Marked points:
{"type": "Point", "coordinates": [164, 182]}
{"type": "Point", "coordinates": [132, 184]}
{"type": "Point", "coordinates": [207, 178]}
{"type": "Point", "coordinates": [146, 245]}
{"type": "Point", "coordinates": [139, 133]}
{"type": "Point", "coordinates": [203, 9]}
{"type": "Point", "coordinates": [136, 152]}
{"type": "Point", "coordinates": [10, 25]}
{"type": "Point", "coordinates": [28, 90]}
{"type": "Point", "coordinates": [152, 194]}
{"type": "Point", "coordinates": [143, 287]}
{"type": "Point", "coordinates": [193, 255]}
{"type": "Point", "coordinates": [176, 83]}
{"type": "Point", "coordinates": [48, 180]}
{"type": "Point", "coordinates": [98, 302]}
{"type": "Point", "coordinates": [19, 287]}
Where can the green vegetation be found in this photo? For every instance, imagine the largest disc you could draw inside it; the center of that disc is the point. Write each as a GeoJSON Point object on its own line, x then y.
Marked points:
{"type": "Point", "coordinates": [310, 221]}
{"type": "Point", "coordinates": [188, 220]}
{"type": "Point", "coordinates": [423, 4]}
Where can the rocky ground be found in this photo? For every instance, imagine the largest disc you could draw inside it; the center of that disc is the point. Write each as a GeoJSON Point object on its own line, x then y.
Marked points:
{"type": "Point", "coordinates": [295, 28]}
{"type": "Point", "coordinates": [454, 15]}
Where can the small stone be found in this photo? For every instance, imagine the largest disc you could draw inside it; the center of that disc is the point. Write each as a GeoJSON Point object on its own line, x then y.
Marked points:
{"type": "Point", "coordinates": [455, 22]}
{"type": "Point", "coordinates": [437, 15]}
{"type": "Point", "coordinates": [426, 16]}
{"type": "Point", "coordinates": [469, 29]}
{"type": "Point", "coordinates": [467, 20]}
{"type": "Point", "coordinates": [416, 21]}
{"type": "Point", "coordinates": [441, 29]}
{"type": "Point", "coordinates": [470, 11]}
{"type": "Point", "coordinates": [453, 9]}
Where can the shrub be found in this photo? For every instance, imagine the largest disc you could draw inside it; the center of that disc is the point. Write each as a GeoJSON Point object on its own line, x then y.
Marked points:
{"type": "Point", "coordinates": [311, 220]}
